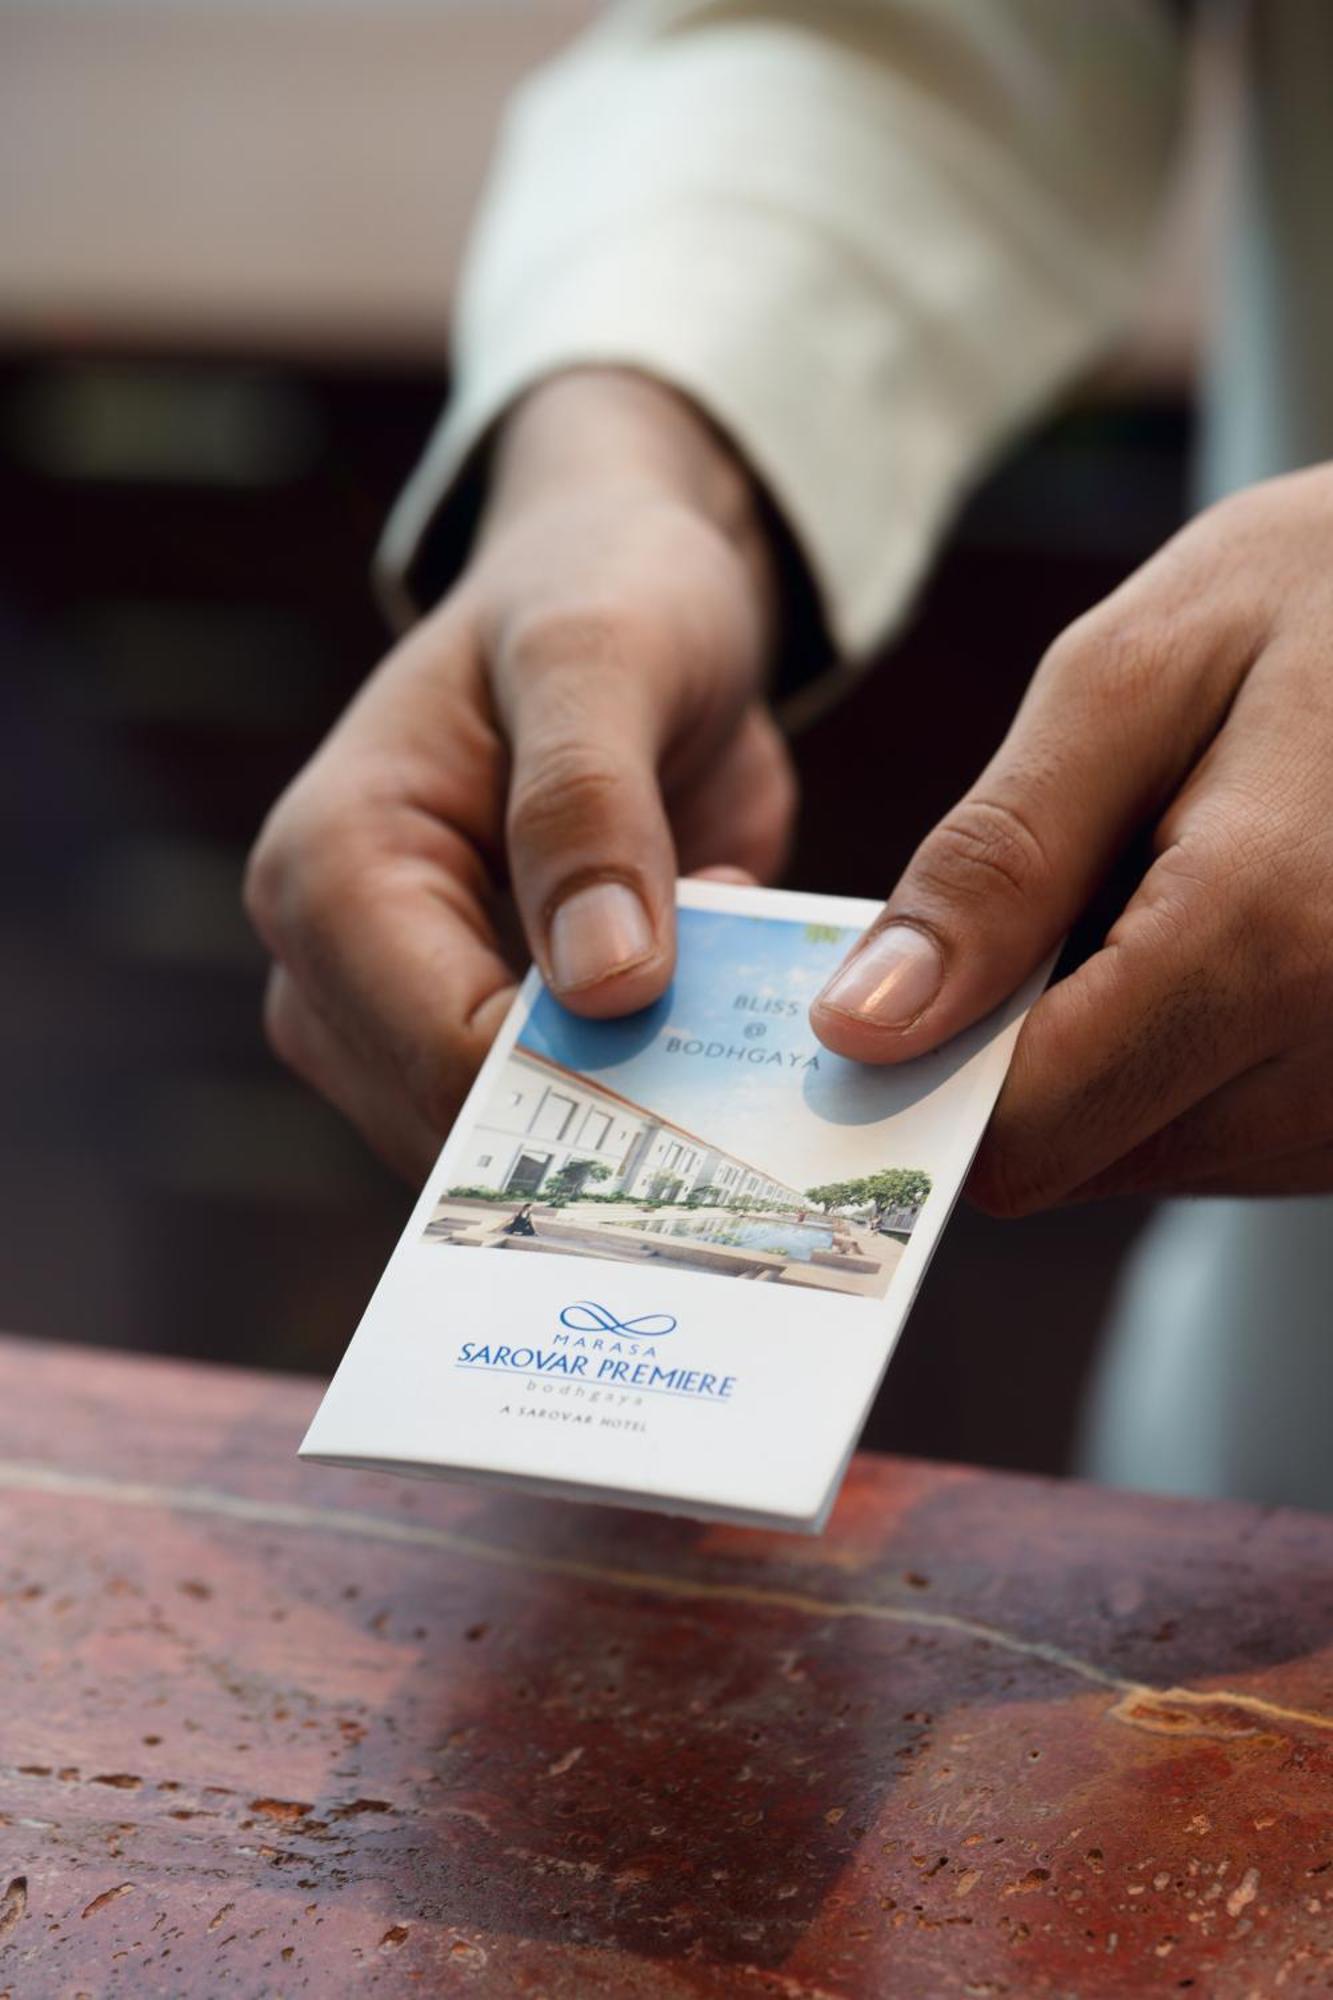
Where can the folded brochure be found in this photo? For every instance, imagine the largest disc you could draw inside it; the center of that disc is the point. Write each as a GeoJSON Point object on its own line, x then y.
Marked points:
{"type": "Point", "coordinates": [662, 1261]}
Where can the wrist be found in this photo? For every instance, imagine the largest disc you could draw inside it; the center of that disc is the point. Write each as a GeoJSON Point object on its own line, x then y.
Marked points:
{"type": "Point", "coordinates": [616, 430]}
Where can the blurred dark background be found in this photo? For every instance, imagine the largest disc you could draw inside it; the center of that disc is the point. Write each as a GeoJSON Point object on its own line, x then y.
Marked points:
{"type": "Point", "coordinates": [223, 299]}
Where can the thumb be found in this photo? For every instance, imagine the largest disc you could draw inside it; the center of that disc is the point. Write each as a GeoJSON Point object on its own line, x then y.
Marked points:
{"type": "Point", "coordinates": [591, 854]}
{"type": "Point", "coordinates": [1100, 739]}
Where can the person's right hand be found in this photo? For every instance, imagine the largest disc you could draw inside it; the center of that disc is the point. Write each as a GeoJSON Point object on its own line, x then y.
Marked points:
{"type": "Point", "coordinates": [580, 720]}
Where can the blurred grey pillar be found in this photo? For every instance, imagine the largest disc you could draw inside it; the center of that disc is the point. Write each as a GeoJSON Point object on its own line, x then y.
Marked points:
{"type": "Point", "coordinates": [1215, 1374]}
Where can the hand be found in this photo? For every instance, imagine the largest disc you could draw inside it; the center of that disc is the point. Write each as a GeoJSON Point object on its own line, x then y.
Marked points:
{"type": "Point", "coordinates": [1194, 1051]}
{"type": "Point", "coordinates": [582, 718]}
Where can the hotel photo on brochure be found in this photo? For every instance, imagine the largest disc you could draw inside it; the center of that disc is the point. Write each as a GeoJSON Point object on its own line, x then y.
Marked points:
{"type": "Point", "coordinates": [711, 1132]}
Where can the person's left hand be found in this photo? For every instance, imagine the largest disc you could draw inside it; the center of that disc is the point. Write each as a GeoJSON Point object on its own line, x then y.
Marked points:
{"type": "Point", "coordinates": [1193, 1053]}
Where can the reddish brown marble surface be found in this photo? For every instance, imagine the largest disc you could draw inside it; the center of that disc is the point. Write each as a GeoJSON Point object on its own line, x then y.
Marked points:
{"type": "Point", "coordinates": [274, 1730]}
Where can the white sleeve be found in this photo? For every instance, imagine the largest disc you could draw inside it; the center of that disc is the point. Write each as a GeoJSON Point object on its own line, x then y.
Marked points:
{"type": "Point", "coordinates": [868, 237]}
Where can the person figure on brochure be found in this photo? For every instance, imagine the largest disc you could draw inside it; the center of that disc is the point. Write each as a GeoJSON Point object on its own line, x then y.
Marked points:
{"type": "Point", "coordinates": [757, 292]}
{"type": "Point", "coordinates": [520, 1223]}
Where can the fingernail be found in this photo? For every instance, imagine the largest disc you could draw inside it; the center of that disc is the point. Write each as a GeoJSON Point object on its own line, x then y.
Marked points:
{"type": "Point", "coordinates": [888, 980]}
{"type": "Point", "coordinates": [597, 931]}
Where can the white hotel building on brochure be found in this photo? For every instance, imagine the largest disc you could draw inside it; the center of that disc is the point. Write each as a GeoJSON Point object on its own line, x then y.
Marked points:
{"type": "Point", "coordinates": [543, 1117]}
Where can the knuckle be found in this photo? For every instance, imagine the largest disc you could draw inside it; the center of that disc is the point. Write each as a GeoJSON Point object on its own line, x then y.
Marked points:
{"type": "Point", "coordinates": [324, 889]}
{"type": "Point", "coordinates": [772, 776]}
{"type": "Point", "coordinates": [1022, 1164]}
{"type": "Point", "coordinates": [1002, 1183]}
{"type": "Point", "coordinates": [1182, 896]}
{"type": "Point", "coordinates": [264, 884]}
{"type": "Point", "coordinates": [1287, 930]}
{"type": "Point", "coordinates": [280, 1027]}
{"type": "Point", "coordinates": [1310, 966]}
{"type": "Point", "coordinates": [1235, 517]}
{"type": "Point", "coordinates": [304, 874]}
{"type": "Point", "coordinates": [982, 847]}
{"type": "Point", "coordinates": [570, 792]}
{"type": "Point", "coordinates": [786, 794]}
{"type": "Point", "coordinates": [550, 637]}
{"type": "Point", "coordinates": [436, 1089]}
{"type": "Point", "coordinates": [1264, 917]}
{"type": "Point", "coordinates": [300, 845]}
{"type": "Point", "coordinates": [1117, 655]}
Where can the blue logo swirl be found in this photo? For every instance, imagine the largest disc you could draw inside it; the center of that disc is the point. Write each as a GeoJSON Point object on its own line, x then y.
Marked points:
{"type": "Point", "coordinates": [586, 1316]}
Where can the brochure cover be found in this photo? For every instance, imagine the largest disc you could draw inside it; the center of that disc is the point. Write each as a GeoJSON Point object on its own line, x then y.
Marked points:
{"type": "Point", "coordinates": [663, 1260]}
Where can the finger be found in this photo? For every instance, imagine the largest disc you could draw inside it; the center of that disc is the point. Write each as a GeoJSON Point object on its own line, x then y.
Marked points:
{"type": "Point", "coordinates": [740, 809]}
{"type": "Point", "coordinates": [1198, 1037]}
{"type": "Point", "coordinates": [1276, 1112]}
{"type": "Point", "coordinates": [381, 1111]}
{"type": "Point", "coordinates": [591, 855]}
{"type": "Point", "coordinates": [1154, 1023]}
{"type": "Point", "coordinates": [1114, 717]}
{"type": "Point", "coordinates": [385, 932]}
